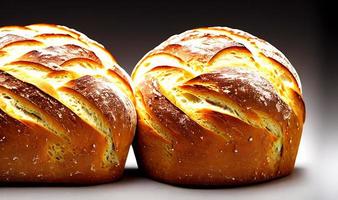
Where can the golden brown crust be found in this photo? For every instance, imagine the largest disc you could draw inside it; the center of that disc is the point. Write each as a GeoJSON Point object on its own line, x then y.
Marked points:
{"type": "Point", "coordinates": [63, 117]}
{"type": "Point", "coordinates": [9, 38]}
{"type": "Point", "coordinates": [114, 107]}
{"type": "Point", "coordinates": [245, 142]}
{"type": "Point", "coordinates": [57, 55]}
{"type": "Point", "coordinates": [249, 90]}
{"type": "Point", "coordinates": [217, 106]}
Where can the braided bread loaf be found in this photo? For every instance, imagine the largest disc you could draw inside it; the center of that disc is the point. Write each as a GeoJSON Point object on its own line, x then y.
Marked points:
{"type": "Point", "coordinates": [217, 106]}
{"type": "Point", "coordinates": [66, 107]}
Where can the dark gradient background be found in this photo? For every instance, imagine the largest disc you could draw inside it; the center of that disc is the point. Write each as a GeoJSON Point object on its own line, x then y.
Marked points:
{"type": "Point", "coordinates": [304, 31]}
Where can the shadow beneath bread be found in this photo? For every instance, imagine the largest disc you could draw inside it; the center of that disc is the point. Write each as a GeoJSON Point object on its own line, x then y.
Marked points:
{"type": "Point", "coordinates": [134, 176]}
{"type": "Point", "coordinates": [298, 175]}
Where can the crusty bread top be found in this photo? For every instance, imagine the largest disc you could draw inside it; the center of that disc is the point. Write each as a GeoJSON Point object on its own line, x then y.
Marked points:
{"type": "Point", "coordinates": [51, 75]}
{"type": "Point", "coordinates": [55, 46]}
{"type": "Point", "coordinates": [208, 50]}
{"type": "Point", "coordinates": [192, 85]}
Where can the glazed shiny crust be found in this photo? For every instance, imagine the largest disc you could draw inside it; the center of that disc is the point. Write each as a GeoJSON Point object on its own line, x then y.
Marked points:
{"type": "Point", "coordinates": [217, 106]}
{"type": "Point", "coordinates": [66, 107]}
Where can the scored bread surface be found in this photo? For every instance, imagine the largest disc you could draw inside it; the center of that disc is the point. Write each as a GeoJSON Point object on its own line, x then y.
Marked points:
{"type": "Point", "coordinates": [217, 106]}
{"type": "Point", "coordinates": [66, 107]}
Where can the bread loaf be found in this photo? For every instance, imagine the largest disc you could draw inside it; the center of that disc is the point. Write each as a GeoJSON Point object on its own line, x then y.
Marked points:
{"type": "Point", "coordinates": [217, 106]}
{"type": "Point", "coordinates": [66, 107]}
